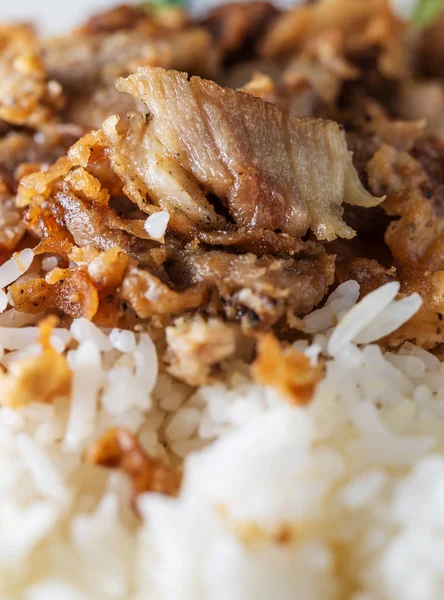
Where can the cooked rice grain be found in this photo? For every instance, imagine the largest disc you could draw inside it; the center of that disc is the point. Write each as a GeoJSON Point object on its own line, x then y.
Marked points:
{"type": "Point", "coordinates": [341, 498]}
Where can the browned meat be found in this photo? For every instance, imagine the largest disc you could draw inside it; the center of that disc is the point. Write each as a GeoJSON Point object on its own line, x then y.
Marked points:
{"type": "Point", "coordinates": [119, 449]}
{"type": "Point", "coordinates": [432, 47]}
{"type": "Point", "coordinates": [416, 236]}
{"type": "Point", "coordinates": [129, 158]}
{"type": "Point", "coordinates": [259, 291]}
{"type": "Point", "coordinates": [95, 224]}
{"type": "Point", "coordinates": [298, 180]}
{"type": "Point", "coordinates": [149, 296]}
{"type": "Point", "coordinates": [116, 43]}
{"type": "Point", "coordinates": [90, 109]}
{"type": "Point", "coordinates": [116, 19]}
{"type": "Point", "coordinates": [69, 291]}
{"type": "Point", "coordinates": [429, 151]}
{"type": "Point", "coordinates": [366, 271]}
{"type": "Point", "coordinates": [196, 346]}
{"type": "Point", "coordinates": [78, 202]}
{"type": "Point", "coordinates": [239, 25]}
{"type": "Point", "coordinates": [156, 164]}
{"type": "Point", "coordinates": [363, 26]}
{"type": "Point", "coordinates": [258, 241]}
{"type": "Point", "coordinates": [425, 328]}
{"type": "Point", "coordinates": [309, 83]}
{"type": "Point", "coordinates": [374, 122]}
{"type": "Point", "coordinates": [422, 100]}
{"type": "Point", "coordinates": [289, 371]}
{"type": "Point", "coordinates": [322, 66]}
{"type": "Point", "coordinates": [72, 292]}
{"type": "Point", "coordinates": [83, 62]}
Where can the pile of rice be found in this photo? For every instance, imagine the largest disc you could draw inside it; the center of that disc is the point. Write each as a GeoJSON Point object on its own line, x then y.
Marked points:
{"type": "Point", "coordinates": [343, 498]}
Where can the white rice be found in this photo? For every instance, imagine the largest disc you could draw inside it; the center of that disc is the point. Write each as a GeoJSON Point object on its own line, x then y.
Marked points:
{"type": "Point", "coordinates": [123, 340]}
{"type": "Point", "coordinates": [156, 224]}
{"type": "Point", "coordinates": [15, 266]}
{"type": "Point", "coordinates": [4, 301]}
{"type": "Point", "coordinates": [85, 331]}
{"type": "Point", "coordinates": [49, 263]}
{"type": "Point", "coordinates": [341, 499]}
{"type": "Point", "coordinates": [361, 315]}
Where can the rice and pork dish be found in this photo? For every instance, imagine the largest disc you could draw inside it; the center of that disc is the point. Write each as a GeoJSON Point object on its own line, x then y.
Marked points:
{"type": "Point", "coordinates": [222, 306]}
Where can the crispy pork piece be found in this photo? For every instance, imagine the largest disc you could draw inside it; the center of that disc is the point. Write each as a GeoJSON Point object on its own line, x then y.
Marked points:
{"type": "Point", "coordinates": [297, 181]}
{"type": "Point", "coordinates": [429, 152]}
{"type": "Point", "coordinates": [118, 18]}
{"type": "Point", "coordinates": [196, 346]}
{"type": "Point", "coordinates": [364, 26]}
{"type": "Point", "coordinates": [114, 44]}
{"type": "Point", "coordinates": [368, 272]}
{"type": "Point", "coordinates": [426, 327]}
{"type": "Point", "coordinates": [87, 62]}
{"type": "Point", "coordinates": [432, 47]}
{"type": "Point", "coordinates": [149, 296]}
{"type": "Point", "coordinates": [90, 108]}
{"type": "Point", "coordinates": [322, 65]}
{"type": "Point", "coordinates": [238, 26]}
{"type": "Point", "coordinates": [416, 236]}
{"type": "Point", "coordinates": [218, 188]}
{"type": "Point", "coordinates": [72, 204]}
{"type": "Point", "coordinates": [309, 85]}
{"type": "Point", "coordinates": [271, 199]}
{"type": "Point", "coordinates": [260, 291]}
{"type": "Point", "coordinates": [422, 100]}
{"type": "Point", "coordinates": [69, 291]}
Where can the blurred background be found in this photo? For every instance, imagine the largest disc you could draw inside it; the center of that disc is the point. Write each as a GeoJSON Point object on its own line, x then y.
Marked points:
{"type": "Point", "coordinates": [56, 15]}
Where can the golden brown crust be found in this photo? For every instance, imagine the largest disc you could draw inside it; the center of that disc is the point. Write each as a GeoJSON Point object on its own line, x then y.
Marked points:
{"type": "Point", "coordinates": [363, 26]}
{"type": "Point", "coordinates": [288, 371]}
{"type": "Point", "coordinates": [366, 271]}
{"type": "Point", "coordinates": [119, 449]}
{"type": "Point", "coordinates": [197, 346]}
{"type": "Point", "coordinates": [38, 378]}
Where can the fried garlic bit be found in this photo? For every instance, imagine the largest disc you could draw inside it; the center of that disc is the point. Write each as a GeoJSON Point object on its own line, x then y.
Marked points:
{"type": "Point", "coordinates": [288, 371]}
{"type": "Point", "coordinates": [38, 378]}
{"type": "Point", "coordinates": [196, 346]}
{"type": "Point", "coordinates": [118, 448]}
